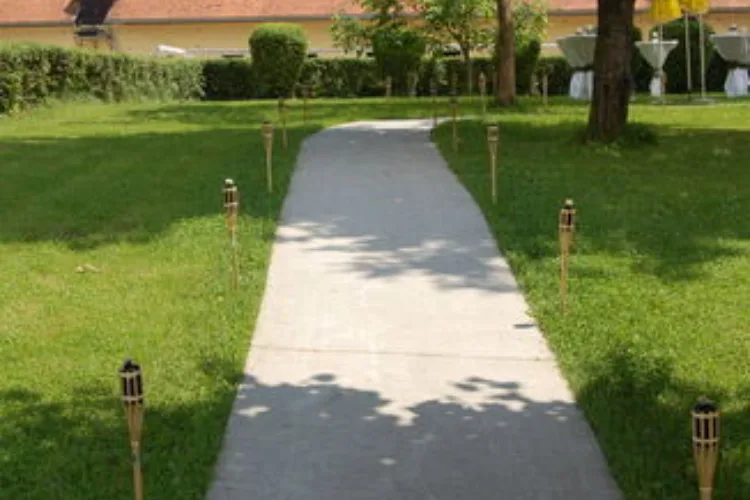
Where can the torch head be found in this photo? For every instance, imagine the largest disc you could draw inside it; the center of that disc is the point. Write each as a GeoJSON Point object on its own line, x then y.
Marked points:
{"type": "Point", "coordinates": [433, 88]}
{"type": "Point", "coordinates": [705, 423]}
{"type": "Point", "coordinates": [267, 130]}
{"type": "Point", "coordinates": [482, 82]}
{"type": "Point", "coordinates": [230, 194]}
{"type": "Point", "coordinates": [568, 216]}
{"type": "Point", "coordinates": [493, 135]}
{"type": "Point", "coordinates": [131, 383]}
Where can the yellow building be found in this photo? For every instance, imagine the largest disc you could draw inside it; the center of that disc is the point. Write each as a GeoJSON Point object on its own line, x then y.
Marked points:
{"type": "Point", "coordinates": [222, 27]}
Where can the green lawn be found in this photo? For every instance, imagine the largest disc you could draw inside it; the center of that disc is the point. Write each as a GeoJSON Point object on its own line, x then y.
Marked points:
{"type": "Point", "coordinates": [133, 192]}
{"type": "Point", "coordinates": [659, 281]}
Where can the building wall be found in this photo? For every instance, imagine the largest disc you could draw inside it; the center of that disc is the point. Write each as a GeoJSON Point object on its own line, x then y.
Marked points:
{"type": "Point", "coordinates": [144, 38]}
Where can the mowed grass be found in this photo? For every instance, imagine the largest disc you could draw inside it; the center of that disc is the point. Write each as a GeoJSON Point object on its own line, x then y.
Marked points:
{"type": "Point", "coordinates": [131, 196]}
{"type": "Point", "coordinates": [660, 277]}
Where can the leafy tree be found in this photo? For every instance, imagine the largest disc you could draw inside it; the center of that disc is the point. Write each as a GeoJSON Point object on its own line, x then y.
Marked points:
{"type": "Point", "coordinates": [459, 21]}
{"type": "Point", "coordinates": [350, 35]}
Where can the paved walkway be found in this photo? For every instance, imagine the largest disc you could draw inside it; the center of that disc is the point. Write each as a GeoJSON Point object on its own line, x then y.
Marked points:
{"type": "Point", "coordinates": [393, 357]}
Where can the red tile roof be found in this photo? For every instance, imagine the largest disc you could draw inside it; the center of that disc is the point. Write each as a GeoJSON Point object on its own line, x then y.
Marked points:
{"type": "Point", "coordinates": [53, 11]}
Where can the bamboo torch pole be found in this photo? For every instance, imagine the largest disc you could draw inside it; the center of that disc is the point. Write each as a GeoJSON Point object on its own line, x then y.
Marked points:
{"type": "Point", "coordinates": [567, 225]}
{"type": "Point", "coordinates": [388, 87]}
{"type": "Point", "coordinates": [483, 93]}
{"type": "Point", "coordinates": [454, 119]}
{"type": "Point", "coordinates": [413, 82]}
{"type": "Point", "coordinates": [282, 119]}
{"type": "Point", "coordinates": [232, 207]}
{"type": "Point", "coordinates": [433, 93]}
{"type": "Point", "coordinates": [267, 132]}
{"type": "Point", "coordinates": [705, 445]}
{"type": "Point", "coordinates": [133, 402]}
{"type": "Point", "coordinates": [493, 138]}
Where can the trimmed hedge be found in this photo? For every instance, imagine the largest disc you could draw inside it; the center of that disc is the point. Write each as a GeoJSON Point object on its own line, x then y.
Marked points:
{"type": "Point", "coordinates": [278, 51]}
{"type": "Point", "coordinates": [350, 77]}
{"type": "Point", "coordinates": [31, 74]}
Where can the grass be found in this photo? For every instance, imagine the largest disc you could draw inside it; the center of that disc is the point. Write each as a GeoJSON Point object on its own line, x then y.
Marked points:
{"type": "Point", "coordinates": [659, 280]}
{"type": "Point", "coordinates": [131, 194]}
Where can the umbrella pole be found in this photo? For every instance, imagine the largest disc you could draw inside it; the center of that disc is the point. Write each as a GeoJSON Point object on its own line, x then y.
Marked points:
{"type": "Point", "coordinates": [687, 57]}
{"type": "Point", "coordinates": [663, 84]}
{"type": "Point", "coordinates": [703, 56]}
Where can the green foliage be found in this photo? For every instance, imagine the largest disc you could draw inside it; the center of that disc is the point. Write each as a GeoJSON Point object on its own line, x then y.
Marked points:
{"type": "Point", "coordinates": [676, 64]}
{"type": "Point", "coordinates": [32, 74]}
{"type": "Point", "coordinates": [350, 35]}
{"type": "Point", "coordinates": [530, 21]}
{"type": "Point", "coordinates": [229, 79]}
{"type": "Point", "coordinates": [398, 50]}
{"type": "Point", "coordinates": [278, 51]}
{"type": "Point", "coordinates": [459, 21]}
{"type": "Point", "coordinates": [342, 77]}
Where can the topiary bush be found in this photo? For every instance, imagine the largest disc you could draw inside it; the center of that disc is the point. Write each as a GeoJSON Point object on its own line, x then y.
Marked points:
{"type": "Point", "coordinates": [278, 51]}
{"type": "Point", "coordinates": [31, 74]}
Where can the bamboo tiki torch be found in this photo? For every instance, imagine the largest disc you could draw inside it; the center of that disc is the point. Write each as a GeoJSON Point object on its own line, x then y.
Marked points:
{"type": "Point", "coordinates": [545, 87]}
{"type": "Point", "coordinates": [434, 93]}
{"type": "Point", "coordinates": [705, 445]}
{"type": "Point", "coordinates": [388, 87]}
{"type": "Point", "coordinates": [454, 117]}
{"type": "Point", "coordinates": [483, 93]}
{"type": "Point", "coordinates": [413, 81]}
{"type": "Point", "coordinates": [267, 132]}
{"type": "Point", "coordinates": [567, 229]}
{"type": "Point", "coordinates": [282, 119]}
{"type": "Point", "coordinates": [232, 208]}
{"type": "Point", "coordinates": [493, 138]}
{"type": "Point", "coordinates": [132, 400]}
{"type": "Point", "coordinates": [305, 98]}
{"type": "Point", "coordinates": [454, 83]}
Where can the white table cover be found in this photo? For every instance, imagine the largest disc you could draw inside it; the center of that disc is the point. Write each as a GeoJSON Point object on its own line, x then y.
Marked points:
{"type": "Point", "coordinates": [655, 53]}
{"type": "Point", "coordinates": [735, 48]}
{"type": "Point", "coordinates": [579, 52]}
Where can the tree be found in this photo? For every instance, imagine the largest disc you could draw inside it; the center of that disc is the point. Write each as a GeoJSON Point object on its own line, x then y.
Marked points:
{"type": "Point", "coordinates": [505, 53]}
{"type": "Point", "coordinates": [460, 21]}
{"type": "Point", "coordinates": [612, 70]}
{"type": "Point", "coordinates": [350, 35]}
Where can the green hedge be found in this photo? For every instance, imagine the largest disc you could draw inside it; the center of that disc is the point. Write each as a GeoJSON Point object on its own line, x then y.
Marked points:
{"type": "Point", "coordinates": [32, 74]}
{"type": "Point", "coordinates": [279, 51]}
{"type": "Point", "coordinates": [350, 77]}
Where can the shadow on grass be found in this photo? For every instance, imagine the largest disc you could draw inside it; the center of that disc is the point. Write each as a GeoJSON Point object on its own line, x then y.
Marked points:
{"type": "Point", "coordinates": [674, 205]}
{"type": "Point", "coordinates": [641, 414]}
{"type": "Point", "coordinates": [96, 190]}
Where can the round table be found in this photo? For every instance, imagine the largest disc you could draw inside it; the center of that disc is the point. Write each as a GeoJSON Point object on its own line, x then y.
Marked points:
{"type": "Point", "coordinates": [734, 47]}
{"type": "Point", "coordinates": [579, 51]}
{"type": "Point", "coordinates": [655, 53]}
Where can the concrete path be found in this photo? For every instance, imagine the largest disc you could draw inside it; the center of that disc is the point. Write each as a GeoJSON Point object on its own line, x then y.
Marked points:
{"type": "Point", "coordinates": [393, 357]}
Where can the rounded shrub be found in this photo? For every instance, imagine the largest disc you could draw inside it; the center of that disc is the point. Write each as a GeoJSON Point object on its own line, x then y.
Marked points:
{"type": "Point", "coordinates": [278, 51]}
{"type": "Point", "coordinates": [676, 64]}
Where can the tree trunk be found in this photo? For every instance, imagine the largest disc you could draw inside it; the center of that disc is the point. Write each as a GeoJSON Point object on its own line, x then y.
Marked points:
{"type": "Point", "coordinates": [612, 76]}
{"type": "Point", "coordinates": [469, 71]}
{"type": "Point", "coordinates": [506, 54]}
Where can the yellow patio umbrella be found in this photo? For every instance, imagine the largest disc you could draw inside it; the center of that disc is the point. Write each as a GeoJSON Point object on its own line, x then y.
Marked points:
{"type": "Point", "coordinates": [663, 11]}
{"type": "Point", "coordinates": [695, 7]}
